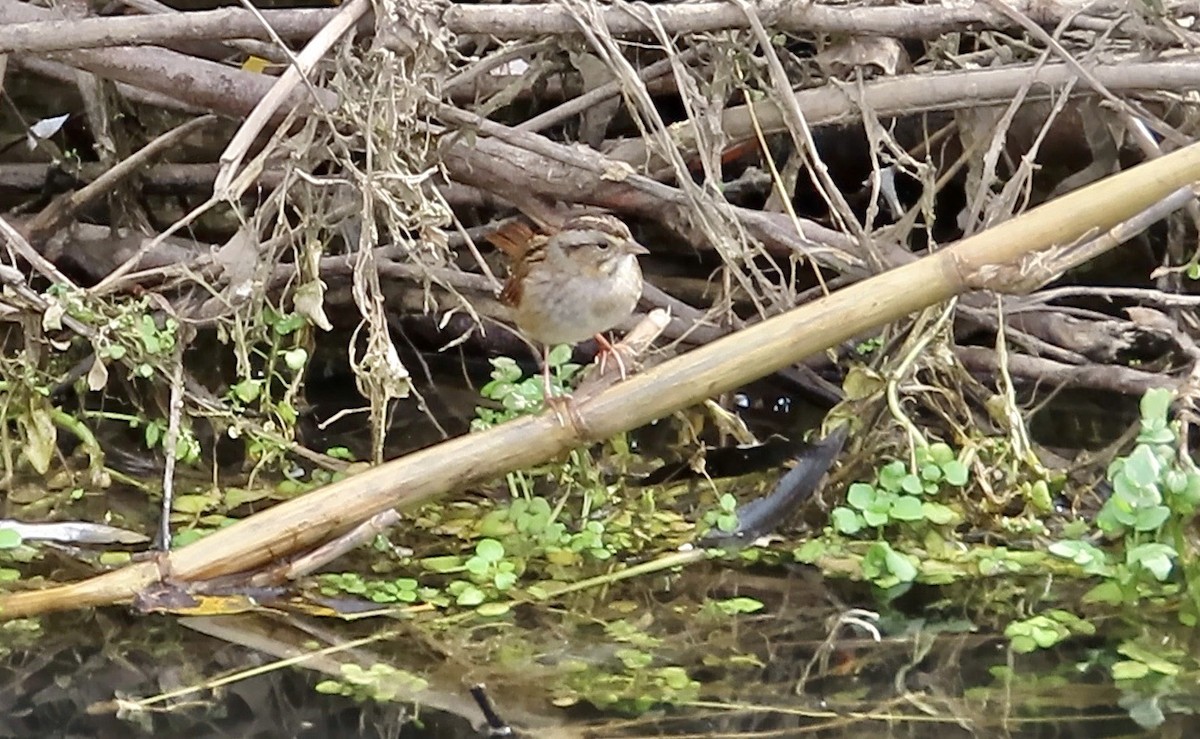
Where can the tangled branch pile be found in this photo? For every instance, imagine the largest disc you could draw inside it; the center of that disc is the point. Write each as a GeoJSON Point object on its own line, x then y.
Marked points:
{"type": "Point", "coordinates": [187, 268]}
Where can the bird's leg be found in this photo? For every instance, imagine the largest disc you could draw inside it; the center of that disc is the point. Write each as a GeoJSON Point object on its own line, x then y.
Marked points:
{"type": "Point", "coordinates": [605, 349]}
{"type": "Point", "coordinates": [547, 387]}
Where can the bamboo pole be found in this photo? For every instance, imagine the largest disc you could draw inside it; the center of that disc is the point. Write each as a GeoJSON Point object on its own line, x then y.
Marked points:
{"type": "Point", "coordinates": [723, 365]}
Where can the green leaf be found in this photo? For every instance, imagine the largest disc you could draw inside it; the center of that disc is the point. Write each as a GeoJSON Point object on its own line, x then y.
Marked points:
{"type": "Point", "coordinates": [1135, 651]}
{"type": "Point", "coordinates": [675, 678]}
{"type": "Point", "coordinates": [477, 566]}
{"type": "Point", "coordinates": [1129, 670]}
{"type": "Point", "coordinates": [1156, 403]}
{"type": "Point", "coordinates": [810, 551]}
{"type": "Point", "coordinates": [1189, 499]}
{"type": "Point", "coordinates": [247, 390]}
{"type": "Point", "coordinates": [1047, 636]}
{"type": "Point", "coordinates": [492, 610]}
{"type": "Point", "coordinates": [1175, 481]}
{"type": "Point", "coordinates": [845, 520]}
{"type": "Point", "coordinates": [148, 333]}
{"type": "Point", "coordinates": [892, 475]}
{"type": "Point", "coordinates": [635, 659]}
{"type": "Point", "coordinates": [289, 324]}
{"type": "Point", "coordinates": [505, 369]}
{"type": "Point", "coordinates": [1023, 644]}
{"type": "Point", "coordinates": [1142, 467]}
{"type": "Point", "coordinates": [287, 413]}
{"type": "Point", "coordinates": [1108, 592]}
{"type": "Point", "coordinates": [1089, 557]}
{"type": "Point", "coordinates": [900, 566]}
{"type": "Point", "coordinates": [9, 539]}
{"type": "Point", "coordinates": [470, 596]}
{"type": "Point", "coordinates": [939, 514]}
{"type": "Point", "coordinates": [490, 550]}
{"type": "Point", "coordinates": [875, 518]}
{"type": "Point", "coordinates": [874, 562]}
{"type": "Point", "coordinates": [1149, 519]}
{"type": "Point", "coordinates": [860, 495]}
{"type": "Point", "coordinates": [1161, 436]}
{"type": "Point", "coordinates": [956, 473]}
{"type": "Point", "coordinates": [940, 453]}
{"type": "Point", "coordinates": [1039, 497]}
{"type": "Point", "coordinates": [1155, 558]}
{"type": "Point", "coordinates": [733, 606]}
{"type": "Point", "coordinates": [560, 355]}
{"type": "Point", "coordinates": [191, 503]}
{"type": "Point", "coordinates": [907, 508]}
{"type": "Point", "coordinates": [912, 485]}
{"type": "Point", "coordinates": [295, 359]}
{"type": "Point", "coordinates": [446, 563]}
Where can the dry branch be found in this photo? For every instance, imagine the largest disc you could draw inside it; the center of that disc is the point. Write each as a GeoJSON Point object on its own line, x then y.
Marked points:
{"type": "Point", "coordinates": [1102, 378]}
{"type": "Point", "coordinates": [89, 33]}
{"type": "Point", "coordinates": [517, 21]}
{"type": "Point", "coordinates": [721, 366]}
{"type": "Point", "coordinates": [904, 21]}
{"type": "Point", "coordinates": [192, 81]}
{"type": "Point", "coordinates": [839, 103]}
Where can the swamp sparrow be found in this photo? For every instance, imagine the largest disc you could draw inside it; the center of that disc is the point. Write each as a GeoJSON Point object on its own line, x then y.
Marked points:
{"type": "Point", "coordinates": [576, 283]}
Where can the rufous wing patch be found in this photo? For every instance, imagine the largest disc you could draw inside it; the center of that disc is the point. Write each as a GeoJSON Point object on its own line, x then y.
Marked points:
{"type": "Point", "coordinates": [513, 238]}
{"type": "Point", "coordinates": [517, 240]}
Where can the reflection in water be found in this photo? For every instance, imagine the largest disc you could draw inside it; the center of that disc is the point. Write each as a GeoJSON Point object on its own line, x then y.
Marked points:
{"type": "Point", "coordinates": [791, 669]}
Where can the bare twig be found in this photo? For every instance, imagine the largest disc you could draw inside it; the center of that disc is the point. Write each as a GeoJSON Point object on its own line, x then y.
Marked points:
{"type": "Point", "coordinates": [904, 21]}
{"type": "Point", "coordinates": [89, 33]}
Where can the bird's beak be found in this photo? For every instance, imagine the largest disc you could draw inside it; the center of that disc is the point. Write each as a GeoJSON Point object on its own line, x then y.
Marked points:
{"type": "Point", "coordinates": [635, 248]}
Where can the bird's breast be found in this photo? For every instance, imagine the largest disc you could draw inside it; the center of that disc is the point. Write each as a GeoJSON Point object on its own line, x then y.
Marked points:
{"type": "Point", "coordinates": [574, 308]}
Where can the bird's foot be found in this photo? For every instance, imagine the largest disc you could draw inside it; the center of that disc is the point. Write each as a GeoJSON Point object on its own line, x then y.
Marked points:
{"type": "Point", "coordinates": [561, 403]}
{"type": "Point", "coordinates": [565, 410]}
{"type": "Point", "coordinates": [606, 349]}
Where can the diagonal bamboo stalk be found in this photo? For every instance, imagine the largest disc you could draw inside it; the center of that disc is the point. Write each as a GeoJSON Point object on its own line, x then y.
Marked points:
{"type": "Point", "coordinates": [718, 367]}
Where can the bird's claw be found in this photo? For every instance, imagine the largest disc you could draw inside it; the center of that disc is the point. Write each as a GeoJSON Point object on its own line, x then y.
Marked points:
{"type": "Point", "coordinates": [606, 349]}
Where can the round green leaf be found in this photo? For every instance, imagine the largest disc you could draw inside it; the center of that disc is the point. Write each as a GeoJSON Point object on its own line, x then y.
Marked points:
{"type": "Point", "coordinates": [9, 539]}
{"type": "Point", "coordinates": [295, 359]}
{"type": "Point", "coordinates": [490, 550]}
{"type": "Point", "coordinates": [860, 495]}
{"type": "Point", "coordinates": [493, 609]}
{"type": "Point", "coordinates": [845, 520]}
{"type": "Point", "coordinates": [1128, 669]}
{"type": "Point", "coordinates": [907, 508]}
{"type": "Point", "coordinates": [956, 473]}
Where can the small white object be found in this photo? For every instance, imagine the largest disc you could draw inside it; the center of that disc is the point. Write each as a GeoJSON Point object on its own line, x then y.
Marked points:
{"type": "Point", "coordinates": [46, 128]}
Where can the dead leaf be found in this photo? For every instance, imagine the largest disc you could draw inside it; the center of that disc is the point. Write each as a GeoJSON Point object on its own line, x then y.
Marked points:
{"type": "Point", "coordinates": [40, 436]}
{"type": "Point", "coordinates": [53, 315]}
{"type": "Point", "coordinates": [97, 376]}
{"type": "Point", "coordinates": [616, 171]}
{"type": "Point", "coordinates": [309, 301]}
{"type": "Point", "coordinates": [872, 54]}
